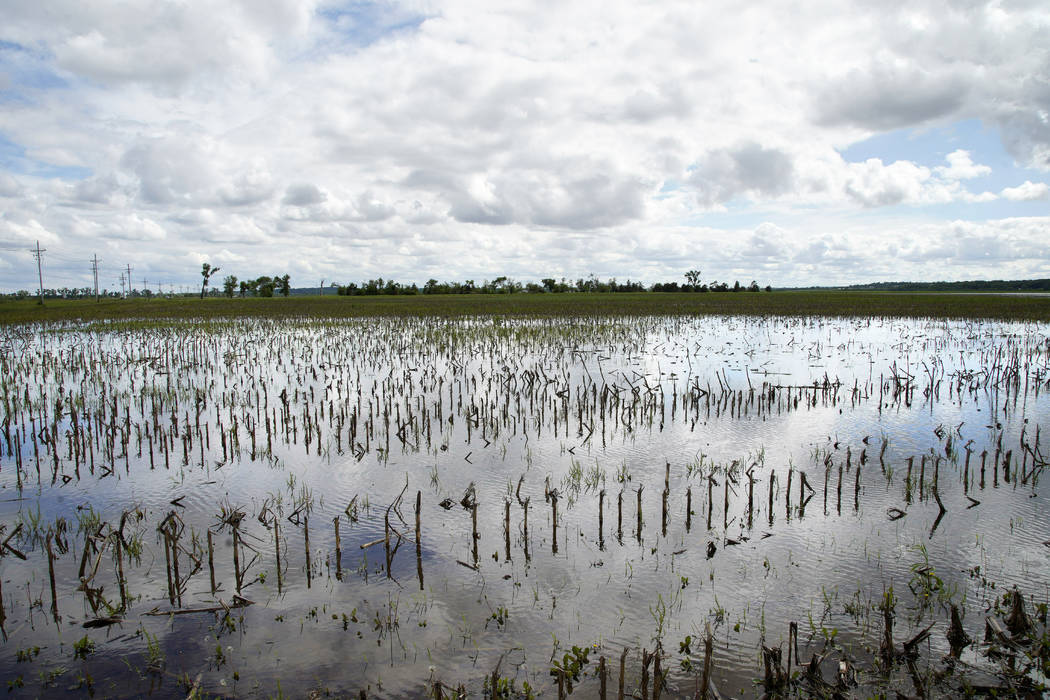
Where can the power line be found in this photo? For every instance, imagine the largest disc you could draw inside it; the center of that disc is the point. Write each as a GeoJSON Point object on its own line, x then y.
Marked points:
{"type": "Point", "coordinates": [39, 269]}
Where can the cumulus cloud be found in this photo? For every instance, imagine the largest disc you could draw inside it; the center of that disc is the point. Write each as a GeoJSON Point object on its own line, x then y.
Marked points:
{"type": "Point", "coordinates": [170, 170]}
{"type": "Point", "coordinates": [23, 233]}
{"type": "Point", "coordinates": [961, 167]}
{"type": "Point", "coordinates": [766, 243]}
{"type": "Point", "coordinates": [967, 243]}
{"type": "Point", "coordinates": [303, 194]}
{"type": "Point", "coordinates": [1026, 134]}
{"type": "Point", "coordinates": [105, 189]}
{"type": "Point", "coordinates": [1028, 192]}
{"type": "Point", "coordinates": [744, 170]}
{"type": "Point", "coordinates": [890, 96]}
{"type": "Point", "coordinates": [573, 193]}
{"type": "Point", "coordinates": [162, 45]}
{"type": "Point", "coordinates": [874, 184]}
{"type": "Point", "coordinates": [371, 208]}
{"type": "Point", "coordinates": [249, 185]}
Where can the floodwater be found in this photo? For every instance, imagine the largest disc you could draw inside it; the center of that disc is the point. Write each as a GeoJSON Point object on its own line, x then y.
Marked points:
{"type": "Point", "coordinates": [790, 472]}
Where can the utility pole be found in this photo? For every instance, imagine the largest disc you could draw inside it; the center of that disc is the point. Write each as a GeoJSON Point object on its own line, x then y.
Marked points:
{"type": "Point", "coordinates": [94, 269]}
{"type": "Point", "coordinates": [322, 286]}
{"type": "Point", "coordinates": [129, 280]}
{"type": "Point", "coordinates": [39, 269]}
{"type": "Point", "coordinates": [122, 285]}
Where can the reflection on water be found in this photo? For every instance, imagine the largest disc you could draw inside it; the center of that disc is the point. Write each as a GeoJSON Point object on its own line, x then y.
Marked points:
{"type": "Point", "coordinates": [787, 471]}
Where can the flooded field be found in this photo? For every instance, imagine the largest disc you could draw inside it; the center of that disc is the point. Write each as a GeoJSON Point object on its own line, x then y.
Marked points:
{"type": "Point", "coordinates": [661, 507]}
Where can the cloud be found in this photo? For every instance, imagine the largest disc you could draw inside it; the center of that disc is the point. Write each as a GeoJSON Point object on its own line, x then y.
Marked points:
{"type": "Point", "coordinates": [1028, 192]}
{"type": "Point", "coordinates": [961, 167]}
{"type": "Point", "coordinates": [171, 170]}
{"type": "Point", "coordinates": [126, 227]}
{"type": "Point", "coordinates": [26, 232]}
{"type": "Point", "coordinates": [767, 243]}
{"type": "Point", "coordinates": [889, 96]}
{"type": "Point", "coordinates": [104, 190]}
{"type": "Point", "coordinates": [966, 243]}
{"type": "Point", "coordinates": [572, 193]}
{"type": "Point", "coordinates": [9, 186]}
{"type": "Point", "coordinates": [371, 208]}
{"type": "Point", "coordinates": [303, 194]}
{"type": "Point", "coordinates": [1026, 134]}
{"type": "Point", "coordinates": [744, 170]}
{"type": "Point", "coordinates": [873, 184]}
{"type": "Point", "coordinates": [166, 46]}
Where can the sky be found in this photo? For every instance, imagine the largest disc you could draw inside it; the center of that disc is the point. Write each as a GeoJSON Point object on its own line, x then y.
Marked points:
{"type": "Point", "coordinates": [784, 142]}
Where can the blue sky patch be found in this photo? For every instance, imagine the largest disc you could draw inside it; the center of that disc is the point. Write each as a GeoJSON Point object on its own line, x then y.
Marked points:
{"type": "Point", "coordinates": [362, 24]}
{"type": "Point", "coordinates": [26, 70]}
{"type": "Point", "coordinates": [13, 159]}
{"type": "Point", "coordinates": [929, 147]}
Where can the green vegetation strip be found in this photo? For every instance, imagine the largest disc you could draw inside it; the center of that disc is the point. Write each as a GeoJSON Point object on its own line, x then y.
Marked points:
{"type": "Point", "coordinates": [809, 303]}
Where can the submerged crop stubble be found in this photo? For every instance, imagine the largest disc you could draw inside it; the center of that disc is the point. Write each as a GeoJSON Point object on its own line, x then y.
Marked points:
{"type": "Point", "coordinates": [255, 507]}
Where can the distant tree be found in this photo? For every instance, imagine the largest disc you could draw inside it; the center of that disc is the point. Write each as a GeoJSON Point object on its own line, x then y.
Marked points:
{"type": "Point", "coordinates": [206, 272]}
{"type": "Point", "coordinates": [769, 288]}
{"type": "Point", "coordinates": [229, 285]}
{"type": "Point", "coordinates": [693, 278]}
{"type": "Point", "coordinates": [285, 285]}
{"type": "Point", "coordinates": [264, 286]}
{"type": "Point", "coordinates": [753, 287]}
{"type": "Point", "coordinates": [736, 286]}
{"type": "Point", "coordinates": [500, 285]}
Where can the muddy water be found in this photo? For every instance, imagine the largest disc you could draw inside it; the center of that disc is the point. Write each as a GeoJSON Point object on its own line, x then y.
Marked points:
{"type": "Point", "coordinates": [826, 462]}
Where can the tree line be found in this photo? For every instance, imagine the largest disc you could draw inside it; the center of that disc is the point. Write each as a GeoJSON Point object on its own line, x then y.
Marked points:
{"type": "Point", "coordinates": [272, 285]}
{"type": "Point", "coordinates": [548, 285]}
{"type": "Point", "coordinates": [1040, 285]}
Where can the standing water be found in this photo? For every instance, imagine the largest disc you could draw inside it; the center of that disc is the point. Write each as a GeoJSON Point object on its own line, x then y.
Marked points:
{"type": "Point", "coordinates": [404, 507]}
